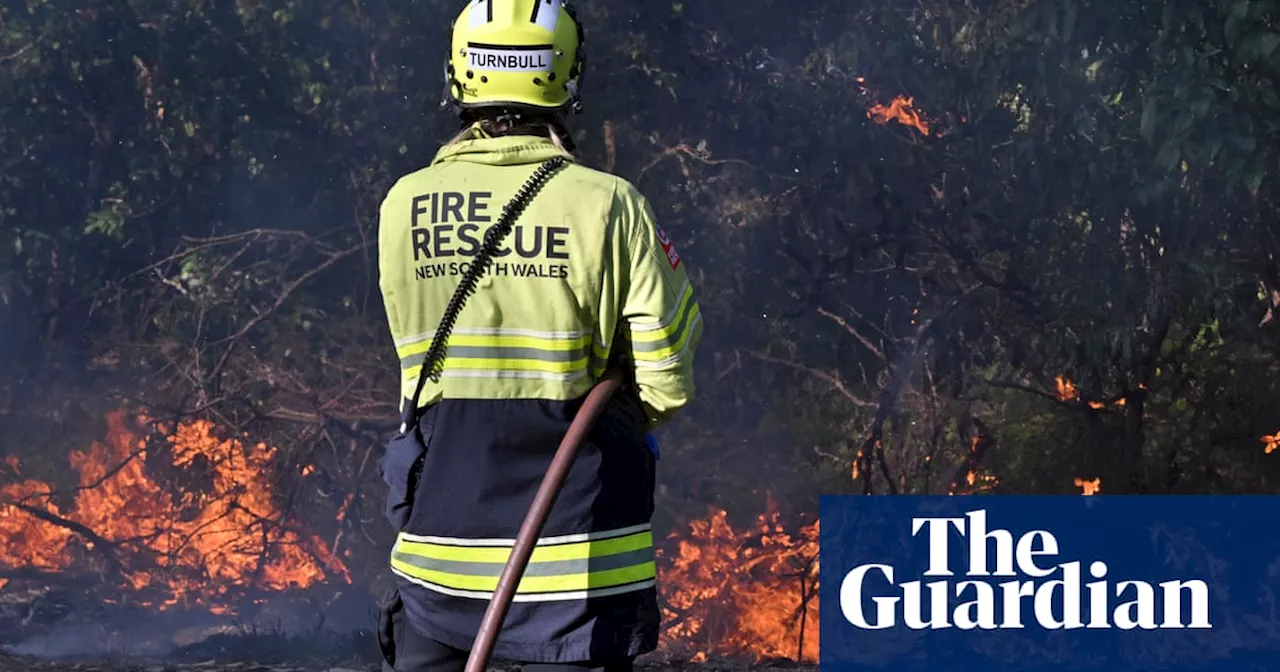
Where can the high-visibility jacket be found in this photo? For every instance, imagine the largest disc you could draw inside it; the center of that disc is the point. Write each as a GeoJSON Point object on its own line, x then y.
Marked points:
{"type": "Point", "coordinates": [584, 275]}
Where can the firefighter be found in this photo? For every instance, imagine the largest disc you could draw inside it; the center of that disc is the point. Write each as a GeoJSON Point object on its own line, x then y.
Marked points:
{"type": "Point", "coordinates": [584, 280]}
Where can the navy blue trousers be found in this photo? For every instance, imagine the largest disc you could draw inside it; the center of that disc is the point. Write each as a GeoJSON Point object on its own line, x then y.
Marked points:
{"type": "Point", "coordinates": [404, 649]}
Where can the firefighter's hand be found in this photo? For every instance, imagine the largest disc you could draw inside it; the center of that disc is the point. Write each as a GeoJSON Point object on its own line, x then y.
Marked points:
{"type": "Point", "coordinates": [652, 441]}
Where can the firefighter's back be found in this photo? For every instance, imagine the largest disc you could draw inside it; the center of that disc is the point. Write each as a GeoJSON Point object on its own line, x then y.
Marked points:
{"type": "Point", "coordinates": [546, 318]}
{"type": "Point", "coordinates": [528, 330]}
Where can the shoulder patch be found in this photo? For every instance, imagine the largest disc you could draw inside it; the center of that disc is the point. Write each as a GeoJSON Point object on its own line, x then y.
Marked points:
{"type": "Point", "coordinates": [672, 256]}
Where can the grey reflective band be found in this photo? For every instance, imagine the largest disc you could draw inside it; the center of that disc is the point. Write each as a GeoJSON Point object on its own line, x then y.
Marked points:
{"type": "Point", "coordinates": [571, 567]}
{"type": "Point", "coordinates": [552, 568]}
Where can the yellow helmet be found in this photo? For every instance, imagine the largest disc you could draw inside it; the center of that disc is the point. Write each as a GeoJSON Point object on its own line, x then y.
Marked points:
{"type": "Point", "coordinates": [515, 53]}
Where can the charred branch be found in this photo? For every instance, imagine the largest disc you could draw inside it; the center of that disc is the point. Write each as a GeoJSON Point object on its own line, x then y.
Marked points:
{"type": "Point", "coordinates": [872, 447]}
{"type": "Point", "coordinates": [981, 443]}
{"type": "Point", "coordinates": [105, 547]}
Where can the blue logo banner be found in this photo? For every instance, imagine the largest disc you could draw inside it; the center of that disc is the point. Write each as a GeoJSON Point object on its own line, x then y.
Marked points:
{"type": "Point", "coordinates": [1023, 584]}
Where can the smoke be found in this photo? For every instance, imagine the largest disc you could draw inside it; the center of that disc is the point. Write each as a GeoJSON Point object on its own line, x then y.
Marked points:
{"type": "Point", "coordinates": [283, 629]}
{"type": "Point", "coordinates": [7, 322]}
{"type": "Point", "coordinates": [98, 640]}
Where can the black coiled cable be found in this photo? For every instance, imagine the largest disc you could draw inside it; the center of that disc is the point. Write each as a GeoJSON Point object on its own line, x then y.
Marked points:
{"type": "Point", "coordinates": [433, 365]}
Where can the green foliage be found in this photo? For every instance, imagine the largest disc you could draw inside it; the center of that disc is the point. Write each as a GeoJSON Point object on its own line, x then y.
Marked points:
{"type": "Point", "coordinates": [194, 186]}
{"type": "Point", "coordinates": [1213, 102]}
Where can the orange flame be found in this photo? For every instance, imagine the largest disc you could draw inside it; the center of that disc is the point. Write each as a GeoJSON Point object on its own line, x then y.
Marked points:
{"type": "Point", "coordinates": [977, 481]}
{"type": "Point", "coordinates": [751, 592]}
{"type": "Point", "coordinates": [1089, 487]}
{"type": "Point", "coordinates": [1066, 391]}
{"type": "Point", "coordinates": [1271, 442]}
{"type": "Point", "coordinates": [38, 543]}
{"type": "Point", "coordinates": [190, 543]}
{"type": "Point", "coordinates": [899, 110]}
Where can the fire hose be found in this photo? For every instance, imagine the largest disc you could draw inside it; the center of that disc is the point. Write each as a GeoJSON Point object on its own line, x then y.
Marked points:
{"type": "Point", "coordinates": [531, 528]}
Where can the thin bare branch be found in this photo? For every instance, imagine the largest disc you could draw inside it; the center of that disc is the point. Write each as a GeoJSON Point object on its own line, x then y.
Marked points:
{"type": "Point", "coordinates": [24, 49]}
{"type": "Point", "coordinates": [833, 380]}
{"type": "Point", "coordinates": [290, 288]}
{"type": "Point", "coordinates": [866, 342]}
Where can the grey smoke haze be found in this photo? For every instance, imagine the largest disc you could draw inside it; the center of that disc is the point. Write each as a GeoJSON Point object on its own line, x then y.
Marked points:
{"type": "Point", "coordinates": [101, 631]}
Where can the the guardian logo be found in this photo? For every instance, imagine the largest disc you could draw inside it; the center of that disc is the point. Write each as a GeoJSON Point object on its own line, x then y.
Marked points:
{"type": "Point", "coordinates": [1051, 594]}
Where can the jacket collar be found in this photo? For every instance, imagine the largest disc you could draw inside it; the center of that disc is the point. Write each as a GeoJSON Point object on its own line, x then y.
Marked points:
{"type": "Point", "coordinates": [507, 150]}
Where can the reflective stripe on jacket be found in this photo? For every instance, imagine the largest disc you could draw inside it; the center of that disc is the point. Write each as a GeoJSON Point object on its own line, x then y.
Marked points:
{"type": "Point", "coordinates": [569, 567]}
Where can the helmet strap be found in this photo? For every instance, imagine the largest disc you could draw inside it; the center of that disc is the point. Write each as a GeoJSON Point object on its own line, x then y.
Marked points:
{"type": "Point", "coordinates": [575, 100]}
{"type": "Point", "coordinates": [447, 99]}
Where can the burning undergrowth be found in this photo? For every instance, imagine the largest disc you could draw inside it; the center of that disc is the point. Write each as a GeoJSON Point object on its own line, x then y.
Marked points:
{"type": "Point", "coordinates": [176, 531]}
{"type": "Point", "coordinates": [750, 592]}
{"type": "Point", "coordinates": [209, 535]}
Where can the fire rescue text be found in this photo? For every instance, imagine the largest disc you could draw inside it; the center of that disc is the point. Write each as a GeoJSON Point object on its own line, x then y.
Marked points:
{"type": "Point", "coordinates": [450, 224]}
{"type": "Point", "coordinates": [986, 604]}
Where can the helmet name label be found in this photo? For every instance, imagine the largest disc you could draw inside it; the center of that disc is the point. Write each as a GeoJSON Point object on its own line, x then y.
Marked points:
{"type": "Point", "coordinates": [510, 60]}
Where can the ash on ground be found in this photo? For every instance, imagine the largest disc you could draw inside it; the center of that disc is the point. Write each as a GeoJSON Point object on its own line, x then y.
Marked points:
{"type": "Point", "coordinates": [69, 623]}
{"type": "Point", "coordinates": [68, 628]}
